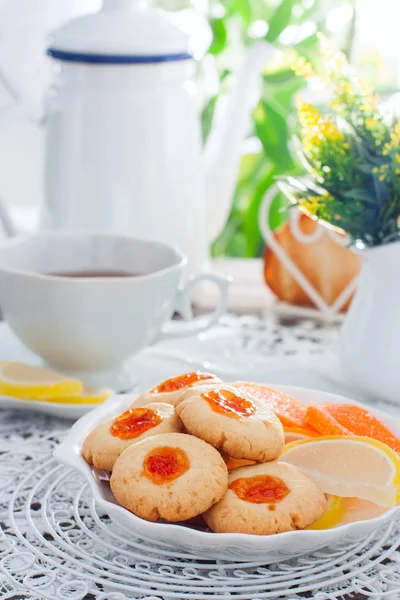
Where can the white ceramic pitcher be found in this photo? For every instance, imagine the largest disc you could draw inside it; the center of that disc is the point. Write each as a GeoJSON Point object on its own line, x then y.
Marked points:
{"type": "Point", "coordinates": [370, 337]}
{"type": "Point", "coordinates": [124, 150]}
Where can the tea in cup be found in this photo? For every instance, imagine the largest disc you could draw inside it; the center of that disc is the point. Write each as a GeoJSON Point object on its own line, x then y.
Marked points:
{"type": "Point", "coordinates": [88, 302]}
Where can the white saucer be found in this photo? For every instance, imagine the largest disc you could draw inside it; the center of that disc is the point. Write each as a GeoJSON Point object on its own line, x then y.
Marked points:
{"type": "Point", "coordinates": [12, 349]}
{"type": "Point", "coordinates": [57, 409]}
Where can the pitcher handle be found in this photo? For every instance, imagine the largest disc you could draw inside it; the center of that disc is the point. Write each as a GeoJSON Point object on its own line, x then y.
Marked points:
{"type": "Point", "coordinates": [183, 307]}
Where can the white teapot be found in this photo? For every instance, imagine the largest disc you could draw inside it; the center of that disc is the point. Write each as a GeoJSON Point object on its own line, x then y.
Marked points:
{"type": "Point", "coordinates": [123, 142]}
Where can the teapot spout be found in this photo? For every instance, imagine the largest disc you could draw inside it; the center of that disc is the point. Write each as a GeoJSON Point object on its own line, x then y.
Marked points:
{"type": "Point", "coordinates": [222, 152]}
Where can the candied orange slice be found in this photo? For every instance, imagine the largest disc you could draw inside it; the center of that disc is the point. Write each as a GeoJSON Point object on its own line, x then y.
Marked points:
{"type": "Point", "coordinates": [90, 395]}
{"type": "Point", "coordinates": [323, 422]}
{"type": "Point", "coordinates": [292, 434]}
{"type": "Point", "coordinates": [34, 383]}
{"type": "Point", "coordinates": [333, 515]}
{"type": "Point", "coordinates": [359, 421]}
{"type": "Point", "coordinates": [235, 463]}
{"type": "Point", "coordinates": [355, 509]}
{"type": "Point", "coordinates": [291, 412]}
{"type": "Point", "coordinates": [348, 467]}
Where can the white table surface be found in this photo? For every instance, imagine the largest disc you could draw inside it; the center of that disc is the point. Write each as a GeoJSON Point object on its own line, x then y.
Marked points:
{"type": "Point", "coordinates": [53, 540]}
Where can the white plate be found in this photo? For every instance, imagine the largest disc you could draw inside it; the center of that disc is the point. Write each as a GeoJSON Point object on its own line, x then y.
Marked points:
{"type": "Point", "coordinates": [228, 546]}
{"type": "Point", "coordinates": [57, 409]}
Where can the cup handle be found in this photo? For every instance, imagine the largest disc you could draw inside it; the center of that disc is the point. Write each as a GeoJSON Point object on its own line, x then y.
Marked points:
{"type": "Point", "coordinates": [183, 307]}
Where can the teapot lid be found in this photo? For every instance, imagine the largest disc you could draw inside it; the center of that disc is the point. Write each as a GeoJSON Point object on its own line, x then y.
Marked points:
{"type": "Point", "coordinates": [122, 32]}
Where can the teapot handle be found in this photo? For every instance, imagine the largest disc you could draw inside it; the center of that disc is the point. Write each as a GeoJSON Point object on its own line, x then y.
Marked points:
{"type": "Point", "coordinates": [6, 220]}
{"type": "Point", "coordinates": [232, 119]}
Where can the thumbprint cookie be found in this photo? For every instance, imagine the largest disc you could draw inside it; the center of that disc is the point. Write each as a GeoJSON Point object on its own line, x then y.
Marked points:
{"type": "Point", "coordinates": [233, 421]}
{"type": "Point", "coordinates": [106, 442]}
{"type": "Point", "coordinates": [171, 476]}
{"type": "Point", "coordinates": [265, 499]}
{"type": "Point", "coordinates": [170, 390]}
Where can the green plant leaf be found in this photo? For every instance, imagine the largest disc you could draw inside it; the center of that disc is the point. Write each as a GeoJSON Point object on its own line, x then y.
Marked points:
{"type": "Point", "coordinates": [279, 211]}
{"type": "Point", "coordinates": [364, 168]}
{"type": "Point", "coordinates": [279, 76]}
{"type": "Point", "coordinates": [252, 168]}
{"type": "Point", "coordinates": [284, 94]}
{"type": "Point", "coordinates": [251, 230]}
{"type": "Point", "coordinates": [360, 194]}
{"type": "Point", "coordinates": [207, 116]}
{"type": "Point", "coordinates": [271, 129]}
{"type": "Point", "coordinates": [279, 20]}
{"type": "Point", "coordinates": [220, 36]}
{"type": "Point", "coordinates": [242, 8]}
{"type": "Point", "coordinates": [231, 241]}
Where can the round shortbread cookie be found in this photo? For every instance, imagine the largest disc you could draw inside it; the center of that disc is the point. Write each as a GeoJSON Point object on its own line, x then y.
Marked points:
{"type": "Point", "coordinates": [232, 421]}
{"type": "Point", "coordinates": [265, 499]}
{"type": "Point", "coordinates": [170, 476]}
{"type": "Point", "coordinates": [171, 390]}
{"type": "Point", "coordinates": [106, 442]}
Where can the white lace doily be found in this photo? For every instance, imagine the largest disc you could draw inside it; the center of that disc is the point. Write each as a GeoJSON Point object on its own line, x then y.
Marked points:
{"type": "Point", "coordinates": [54, 544]}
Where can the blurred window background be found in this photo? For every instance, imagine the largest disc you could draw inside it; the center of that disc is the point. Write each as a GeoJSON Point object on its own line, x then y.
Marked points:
{"type": "Point", "coordinates": [365, 30]}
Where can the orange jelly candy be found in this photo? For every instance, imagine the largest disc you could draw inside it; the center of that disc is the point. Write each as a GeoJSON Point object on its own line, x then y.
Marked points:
{"type": "Point", "coordinates": [290, 412]}
{"type": "Point", "coordinates": [319, 418]}
{"type": "Point", "coordinates": [134, 422]}
{"type": "Point", "coordinates": [236, 463]}
{"type": "Point", "coordinates": [361, 422]}
{"type": "Point", "coordinates": [229, 403]}
{"type": "Point", "coordinates": [165, 464]}
{"type": "Point", "coordinates": [260, 489]}
{"type": "Point", "coordinates": [180, 382]}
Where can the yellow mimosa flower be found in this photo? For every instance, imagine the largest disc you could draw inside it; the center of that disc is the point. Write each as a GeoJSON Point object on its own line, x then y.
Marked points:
{"type": "Point", "coordinates": [370, 123]}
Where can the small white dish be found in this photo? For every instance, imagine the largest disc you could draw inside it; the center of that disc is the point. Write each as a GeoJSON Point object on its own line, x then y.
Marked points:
{"type": "Point", "coordinates": [227, 546]}
{"type": "Point", "coordinates": [57, 409]}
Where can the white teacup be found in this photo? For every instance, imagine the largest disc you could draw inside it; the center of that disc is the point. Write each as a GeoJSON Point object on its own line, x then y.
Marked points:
{"type": "Point", "coordinates": [88, 326]}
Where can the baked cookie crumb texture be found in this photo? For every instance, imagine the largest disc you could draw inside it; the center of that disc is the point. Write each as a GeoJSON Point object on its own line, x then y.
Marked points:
{"type": "Point", "coordinates": [106, 442]}
{"type": "Point", "coordinates": [171, 389]}
{"type": "Point", "coordinates": [170, 476]}
{"type": "Point", "coordinates": [266, 499]}
{"type": "Point", "coordinates": [233, 421]}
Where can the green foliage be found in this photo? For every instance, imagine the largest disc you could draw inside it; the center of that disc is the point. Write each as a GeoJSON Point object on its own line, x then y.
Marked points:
{"type": "Point", "coordinates": [235, 26]}
{"type": "Point", "coordinates": [279, 211]}
{"type": "Point", "coordinates": [274, 119]}
{"type": "Point", "coordinates": [279, 20]}
{"type": "Point", "coordinates": [353, 151]}
{"type": "Point", "coordinates": [271, 129]}
{"type": "Point", "coordinates": [241, 8]}
{"type": "Point", "coordinates": [220, 36]}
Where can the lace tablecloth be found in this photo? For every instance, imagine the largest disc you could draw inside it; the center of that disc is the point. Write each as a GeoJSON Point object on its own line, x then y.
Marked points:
{"type": "Point", "coordinates": [55, 545]}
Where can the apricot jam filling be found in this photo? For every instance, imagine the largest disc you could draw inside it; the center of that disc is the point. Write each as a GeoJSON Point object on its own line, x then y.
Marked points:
{"type": "Point", "coordinates": [165, 464]}
{"type": "Point", "coordinates": [229, 403]}
{"type": "Point", "coordinates": [134, 422]}
{"type": "Point", "coordinates": [260, 489]}
{"type": "Point", "coordinates": [180, 382]}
